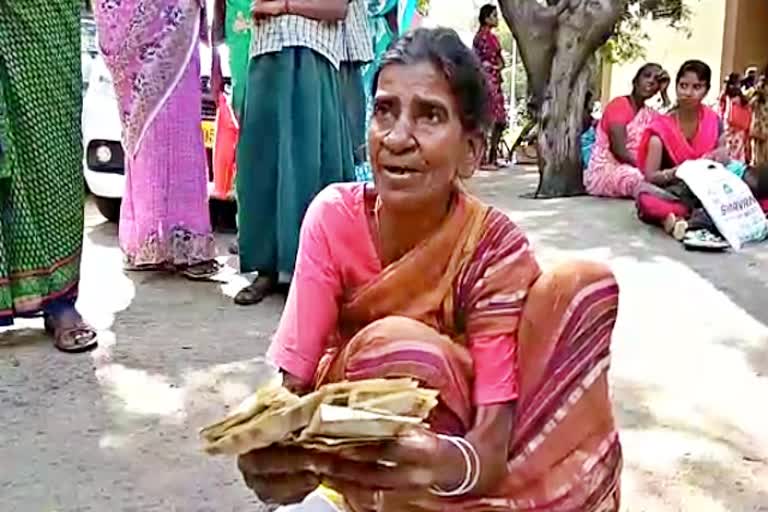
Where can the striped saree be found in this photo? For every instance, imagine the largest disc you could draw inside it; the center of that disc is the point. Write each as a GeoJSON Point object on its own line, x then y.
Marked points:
{"type": "Point", "coordinates": [477, 276]}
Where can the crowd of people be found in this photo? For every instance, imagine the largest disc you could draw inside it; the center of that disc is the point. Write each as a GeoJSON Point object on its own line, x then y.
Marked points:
{"type": "Point", "coordinates": [638, 148]}
{"type": "Point", "coordinates": [297, 70]}
{"type": "Point", "coordinates": [413, 276]}
{"type": "Point", "coordinates": [742, 106]}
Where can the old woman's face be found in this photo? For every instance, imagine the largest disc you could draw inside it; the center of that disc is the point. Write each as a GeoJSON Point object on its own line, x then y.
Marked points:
{"type": "Point", "coordinates": [417, 142]}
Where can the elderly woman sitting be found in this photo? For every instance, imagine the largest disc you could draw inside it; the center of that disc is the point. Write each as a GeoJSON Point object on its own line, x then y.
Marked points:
{"type": "Point", "coordinates": [416, 277]}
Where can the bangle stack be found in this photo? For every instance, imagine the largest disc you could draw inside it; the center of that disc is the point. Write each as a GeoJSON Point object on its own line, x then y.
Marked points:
{"type": "Point", "coordinates": [471, 464]}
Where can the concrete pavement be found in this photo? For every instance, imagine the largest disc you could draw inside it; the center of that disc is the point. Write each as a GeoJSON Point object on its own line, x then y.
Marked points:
{"type": "Point", "coordinates": [116, 430]}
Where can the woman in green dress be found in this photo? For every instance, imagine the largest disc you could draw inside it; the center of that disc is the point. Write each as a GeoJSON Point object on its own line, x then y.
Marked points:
{"type": "Point", "coordinates": [293, 135]}
{"type": "Point", "coordinates": [41, 177]}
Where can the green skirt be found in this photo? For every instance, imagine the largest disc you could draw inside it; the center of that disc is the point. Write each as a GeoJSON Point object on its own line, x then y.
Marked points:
{"type": "Point", "coordinates": [293, 143]}
{"type": "Point", "coordinates": [41, 176]}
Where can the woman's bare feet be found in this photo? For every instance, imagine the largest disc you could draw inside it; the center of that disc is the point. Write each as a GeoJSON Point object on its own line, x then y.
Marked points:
{"type": "Point", "coordinates": [676, 227]}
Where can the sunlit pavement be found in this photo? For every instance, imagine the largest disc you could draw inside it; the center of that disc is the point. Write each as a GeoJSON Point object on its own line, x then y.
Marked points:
{"type": "Point", "coordinates": [117, 429]}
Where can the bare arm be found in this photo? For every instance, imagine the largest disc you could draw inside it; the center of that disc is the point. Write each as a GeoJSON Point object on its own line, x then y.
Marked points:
{"type": "Point", "coordinates": [490, 436]}
{"type": "Point", "coordinates": [294, 384]}
{"type": "Point", "coordinates": [617, 134]}
{"type": "Point", "coordinates": [720, 153]}
{"type": "Point", "coordinates": [653, 171]}
{"type": "Point", "coordinates": [322, 10]}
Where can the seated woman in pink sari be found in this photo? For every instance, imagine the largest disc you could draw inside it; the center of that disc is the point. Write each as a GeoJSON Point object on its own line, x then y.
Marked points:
{"type": "Point", "coordinates": [690, 132]}
{"type": "Point", "coordinates": [416, 277]}
{"type": "Point", "coordinates": [613, 170]}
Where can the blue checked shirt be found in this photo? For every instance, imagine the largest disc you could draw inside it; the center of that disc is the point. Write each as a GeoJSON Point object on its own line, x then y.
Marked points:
{"type": "Point", "coordinates": [358, 41]}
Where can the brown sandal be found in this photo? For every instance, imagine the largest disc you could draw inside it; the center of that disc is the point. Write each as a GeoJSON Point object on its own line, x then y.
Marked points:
{"type": "Point", "coordinates": [72, 339]}
{"type": "Point", "coordinates": [204, 271]}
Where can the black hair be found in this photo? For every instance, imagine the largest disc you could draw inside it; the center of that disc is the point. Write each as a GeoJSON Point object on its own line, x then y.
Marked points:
{"type": "Point", "coordinates": [733, 79]}
{"type": "Point", "coordinates": [699, 68]}
{"type": "Point", "coordinates": [643, 69]}
{"type": "Point", "coordinates": [443, 48]}
{"type": "Point", "coordinates": [486, 12]}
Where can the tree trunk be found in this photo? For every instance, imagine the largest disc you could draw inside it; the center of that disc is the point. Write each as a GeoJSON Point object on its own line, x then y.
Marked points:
{"type": "Point", "coordinates": [561, 123]}
{"type": "Point", "coordinates": [557, 41]}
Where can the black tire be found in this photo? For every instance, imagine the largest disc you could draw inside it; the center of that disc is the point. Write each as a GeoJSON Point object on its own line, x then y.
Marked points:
{"type": "Point", "coordinates": [109, 207]}
{"type": "Point", "coordinates": [223, 215]}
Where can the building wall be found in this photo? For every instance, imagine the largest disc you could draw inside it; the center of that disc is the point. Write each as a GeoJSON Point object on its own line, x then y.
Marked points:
{"type": "Point", "coordinates": [746, 37]}
{"type": "Point", "coordinates": [670, 47]}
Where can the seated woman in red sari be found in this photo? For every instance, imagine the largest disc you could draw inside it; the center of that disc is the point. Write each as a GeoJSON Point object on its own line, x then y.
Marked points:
{"type": "Point", "coordinates": [416, 277]}
{"type": "Point", "coordinates": [691, 131]}
{"type": "Point", "coordinates": [613, 170]}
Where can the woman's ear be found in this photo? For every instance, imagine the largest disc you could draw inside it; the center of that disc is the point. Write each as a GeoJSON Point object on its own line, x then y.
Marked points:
{"type": "Point", "coordinates": [475, 149]}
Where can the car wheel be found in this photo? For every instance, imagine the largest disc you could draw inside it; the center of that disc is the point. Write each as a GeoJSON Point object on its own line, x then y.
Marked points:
{"type": "Point", "coordinates": [223, 215]}
{"type": "Point", "coordinates": [109, 207]}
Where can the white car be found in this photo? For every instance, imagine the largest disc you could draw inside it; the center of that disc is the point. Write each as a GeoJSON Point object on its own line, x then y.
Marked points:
{"type": "Point", "coordinates": [88, 48]}
{"type": "Point", "coordinates": [103, 161]}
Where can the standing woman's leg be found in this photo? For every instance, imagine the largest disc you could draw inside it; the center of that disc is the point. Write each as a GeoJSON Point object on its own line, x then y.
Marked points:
{"type": "Point", "coordinates": [257, 173]}
{"type": "Point", "coordinates": [315, 147]}
{"type": "Point", "coordinates": [41, 166]}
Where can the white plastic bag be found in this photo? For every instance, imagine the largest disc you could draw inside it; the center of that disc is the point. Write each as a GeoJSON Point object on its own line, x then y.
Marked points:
{"type": "Point", "coordinates": [728, 200]}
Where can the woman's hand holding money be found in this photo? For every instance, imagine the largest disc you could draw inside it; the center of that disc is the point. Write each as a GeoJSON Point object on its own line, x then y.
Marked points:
{"type": "Point", "coordinates": [407, 467]}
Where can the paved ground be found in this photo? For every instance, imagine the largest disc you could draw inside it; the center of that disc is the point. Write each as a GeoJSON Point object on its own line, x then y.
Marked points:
{"type": "Point", "coordinates": [116, 430]}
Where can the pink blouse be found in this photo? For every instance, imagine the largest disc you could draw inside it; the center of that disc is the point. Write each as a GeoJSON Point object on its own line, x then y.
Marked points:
{"type": "Point", "coordinates": [336, 253]}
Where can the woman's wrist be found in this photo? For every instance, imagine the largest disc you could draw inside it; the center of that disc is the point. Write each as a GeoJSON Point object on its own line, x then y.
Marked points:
{"type": "Point", "coordinates": [449, 464]}
{"type": "Point", "coordinates": [294, 384]}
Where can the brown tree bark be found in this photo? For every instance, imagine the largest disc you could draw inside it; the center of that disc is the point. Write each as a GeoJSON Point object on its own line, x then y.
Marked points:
{"type": "Point", "coordinates": [557, 42]}
{"type": "Point", "coordinates": [560, 126]}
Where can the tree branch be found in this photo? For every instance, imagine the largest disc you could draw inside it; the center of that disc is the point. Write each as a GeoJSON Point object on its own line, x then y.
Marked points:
{"type": "Point", "coordinates": [585, 26]}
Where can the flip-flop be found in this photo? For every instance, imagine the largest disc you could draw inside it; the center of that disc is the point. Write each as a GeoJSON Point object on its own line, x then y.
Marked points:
{"type": "Point", "coordinates": [202, 271]}
{"type": "Point", "coordinates": [73, 339]}
{"type": "Point", "coordinates": [704, 240]}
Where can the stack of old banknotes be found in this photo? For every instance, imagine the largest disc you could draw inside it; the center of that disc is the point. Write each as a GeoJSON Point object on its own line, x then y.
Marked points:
{"type": "Point", "coordinates": [334, 417]}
